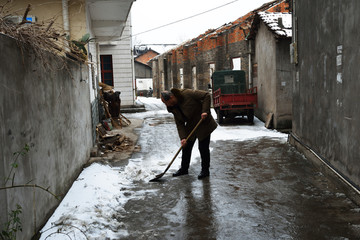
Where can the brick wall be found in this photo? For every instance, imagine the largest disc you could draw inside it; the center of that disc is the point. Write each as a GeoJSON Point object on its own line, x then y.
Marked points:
{"type": "Point", "coordinates": [217, 46]}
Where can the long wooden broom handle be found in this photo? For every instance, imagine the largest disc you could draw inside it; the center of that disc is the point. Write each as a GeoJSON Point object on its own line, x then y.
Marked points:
{"type": "Point", "coordinates": [192, 132]}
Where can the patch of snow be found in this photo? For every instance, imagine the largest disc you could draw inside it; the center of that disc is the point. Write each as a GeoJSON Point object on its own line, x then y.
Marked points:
{"type": "Point", "coordinates": [280, 23]}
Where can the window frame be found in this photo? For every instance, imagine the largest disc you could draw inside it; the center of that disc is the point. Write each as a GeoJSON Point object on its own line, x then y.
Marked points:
{"type": "Point", "coordinates": [104, 60]}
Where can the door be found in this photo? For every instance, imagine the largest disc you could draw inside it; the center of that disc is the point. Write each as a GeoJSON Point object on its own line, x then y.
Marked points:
{"type": "Point", "coordinates": [107, 69]}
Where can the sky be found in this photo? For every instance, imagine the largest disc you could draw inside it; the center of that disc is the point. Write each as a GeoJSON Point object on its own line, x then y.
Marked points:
{"type": "Point", "coordinates": [87, 210]}
{"type": "Point", "coordinates": [151, 14]}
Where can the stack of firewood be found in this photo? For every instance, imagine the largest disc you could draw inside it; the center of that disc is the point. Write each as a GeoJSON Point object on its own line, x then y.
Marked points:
{"type": "Point", "coordinates": [111, 103]}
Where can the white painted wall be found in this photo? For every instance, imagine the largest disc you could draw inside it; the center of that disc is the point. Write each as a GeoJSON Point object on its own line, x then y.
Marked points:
{"type": "Point", "coordinates": [144, 83]}
{"type": "Point", "coordinates": [123, 67]}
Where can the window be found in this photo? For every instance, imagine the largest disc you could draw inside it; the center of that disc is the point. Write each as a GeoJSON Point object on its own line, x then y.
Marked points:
{"type": "Point", "coordinates": [107, 69]}
{"type": "Point", "coordinates": [236, 62]}
{"type": "Point", "coordinates": [229, 78]}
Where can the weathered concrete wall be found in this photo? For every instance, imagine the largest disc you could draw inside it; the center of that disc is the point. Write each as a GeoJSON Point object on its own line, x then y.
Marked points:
{"type": "Point", "coordinates": [155, 77]}
{"type": "Point", "coordinates": [273, 79]}
{"type": "Point", "coordinates": [175, 69]}
{"type": "Point", "coordinates": [265, 58]}
{"type": "Point", "coordinates": [326, 106]}
{"type": "Point", "coordinates": [142, 70]}
{"type": "Point", "coordinates": [49, 109]}
{"type": "Point", "coordinates": [162, 83]}
{"type": "Point", "coordinates": [283, 114]}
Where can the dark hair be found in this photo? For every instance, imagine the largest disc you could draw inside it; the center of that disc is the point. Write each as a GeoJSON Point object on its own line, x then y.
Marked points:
{"type": "Point", "coordinates": [166, 95]}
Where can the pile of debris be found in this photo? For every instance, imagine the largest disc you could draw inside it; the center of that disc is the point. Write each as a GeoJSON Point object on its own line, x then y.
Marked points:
{"type": "Point", "coordinates": [111, 104]}
{"type": "Point", "coordinates": [109, 140]}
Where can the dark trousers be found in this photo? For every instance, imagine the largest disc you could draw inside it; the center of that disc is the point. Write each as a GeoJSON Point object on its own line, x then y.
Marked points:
{"type": "Point", "coordinates": [204, 154]}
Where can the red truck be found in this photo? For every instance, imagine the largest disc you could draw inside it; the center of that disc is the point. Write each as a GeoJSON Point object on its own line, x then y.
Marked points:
{"type": "Point", "coordinates": [231, 96]}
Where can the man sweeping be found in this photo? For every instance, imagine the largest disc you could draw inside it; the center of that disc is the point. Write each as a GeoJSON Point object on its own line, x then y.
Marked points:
{"type": "Point", "coordinates": [188, 107]}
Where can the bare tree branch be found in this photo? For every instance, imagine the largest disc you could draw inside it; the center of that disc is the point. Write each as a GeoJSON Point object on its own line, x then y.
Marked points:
{"type": "Point", "coordinates": [31, 186]}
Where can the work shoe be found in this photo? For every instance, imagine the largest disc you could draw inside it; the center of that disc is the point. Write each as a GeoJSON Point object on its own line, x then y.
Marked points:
{"type": "Point", "coordinates": [180, 172]}
{"type": "Point", "coordinates": [203, 174]}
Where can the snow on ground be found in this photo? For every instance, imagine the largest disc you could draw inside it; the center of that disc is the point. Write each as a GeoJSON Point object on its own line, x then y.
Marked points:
{"type": "Point", "coordinates": [238, 133]}
{"type": "Point", "coordinates": [245, 132]}
{"type": "Point", "coordinates": [93, 206]}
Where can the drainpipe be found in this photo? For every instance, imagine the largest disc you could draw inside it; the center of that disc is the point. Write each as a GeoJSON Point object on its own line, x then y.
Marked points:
{"type": "Point", "coordinates": [65, 13]}
{"type": "Point", "coordinates": [133, 78]}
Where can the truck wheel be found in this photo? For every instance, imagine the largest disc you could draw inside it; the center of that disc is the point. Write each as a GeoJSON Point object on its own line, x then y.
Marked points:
{"type": "Point", "coordinates": [250, 115]}
{"type": "Point", "coordinates": [220, 116]}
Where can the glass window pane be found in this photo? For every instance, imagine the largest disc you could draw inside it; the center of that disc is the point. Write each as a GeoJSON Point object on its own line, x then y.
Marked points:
{"type": "Point", "coordinates": [107, 66]}
{"type": "Point", "coordinates": [108, 76]}
{"type": "Point", "coordinates": [107, 58]}
{"type": "Point", "coordinates": [108, 82]}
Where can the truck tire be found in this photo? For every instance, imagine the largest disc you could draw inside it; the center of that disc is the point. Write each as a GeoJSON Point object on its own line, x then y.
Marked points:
{"type": "Point", "coordinates": [250, 115]}
{"type": "Point", "coordinates": [220, 115]}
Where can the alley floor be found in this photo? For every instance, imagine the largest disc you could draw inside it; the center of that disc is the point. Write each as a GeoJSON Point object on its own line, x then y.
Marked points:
{"type": "Point", "coordinates": [260, 188]}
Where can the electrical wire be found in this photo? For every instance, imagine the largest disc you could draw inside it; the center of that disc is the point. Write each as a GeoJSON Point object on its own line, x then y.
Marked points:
{"type": "Point", "coordinates": [180, 20]}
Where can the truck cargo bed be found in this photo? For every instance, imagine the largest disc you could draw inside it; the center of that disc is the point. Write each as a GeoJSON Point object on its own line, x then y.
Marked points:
{"type": "Point", "coordinates": [246, 100]}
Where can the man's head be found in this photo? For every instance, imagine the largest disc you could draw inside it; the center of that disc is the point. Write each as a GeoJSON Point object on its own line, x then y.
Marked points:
{"type": "Point", "coordinates": [168, 98]}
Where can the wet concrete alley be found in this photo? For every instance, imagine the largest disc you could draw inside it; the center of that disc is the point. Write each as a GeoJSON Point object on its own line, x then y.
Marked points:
{"type": "Point", "coordinates": [260, 188]}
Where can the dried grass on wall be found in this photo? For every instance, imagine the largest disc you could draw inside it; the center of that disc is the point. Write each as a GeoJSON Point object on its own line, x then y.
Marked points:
{"type": "Point", "coordinates": [41, 37]}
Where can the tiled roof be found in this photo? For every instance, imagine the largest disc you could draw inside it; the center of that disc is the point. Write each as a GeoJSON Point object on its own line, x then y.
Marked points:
{"type": "Point", "coordinates": [244, 22]}
{"type": "Point", "coordinates": [279, 23]}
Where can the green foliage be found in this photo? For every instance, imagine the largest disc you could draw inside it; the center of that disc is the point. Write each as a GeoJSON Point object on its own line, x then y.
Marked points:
{"type": "Point", "coordinates": [79, 45]}
{"type": "Point", "coordinates": [15, 165]}
{"type": "Point", "coordinates": [13, 225]}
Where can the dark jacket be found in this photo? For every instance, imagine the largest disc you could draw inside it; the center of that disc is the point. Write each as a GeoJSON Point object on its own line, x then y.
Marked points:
{"type": "Point", "coordinates": [187, 113]}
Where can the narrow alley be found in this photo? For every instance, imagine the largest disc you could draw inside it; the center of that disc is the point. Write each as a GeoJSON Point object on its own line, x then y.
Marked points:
{"type": "Point", "coordinates": [260, 188]}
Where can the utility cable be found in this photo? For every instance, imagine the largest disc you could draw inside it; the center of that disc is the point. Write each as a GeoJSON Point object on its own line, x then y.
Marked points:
{"type": "Point", "coordinates": [180, 20]}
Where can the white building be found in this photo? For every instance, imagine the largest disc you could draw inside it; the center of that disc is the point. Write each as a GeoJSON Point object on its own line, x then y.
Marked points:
{"type": "Point", "coordinates": [110, 22]}
{"type": "Point", "coordinates": [117, 65]}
